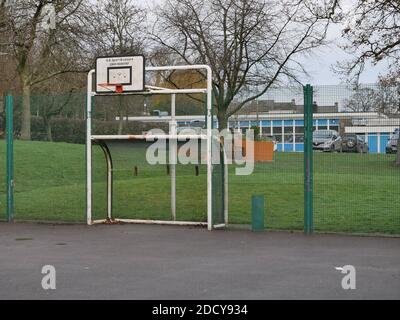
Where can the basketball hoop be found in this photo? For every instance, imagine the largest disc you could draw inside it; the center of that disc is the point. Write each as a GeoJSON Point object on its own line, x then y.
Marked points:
{"type": "Point", "coordinates": [120, 74]}
{"type": "Point", "coordinates": [118, 88]}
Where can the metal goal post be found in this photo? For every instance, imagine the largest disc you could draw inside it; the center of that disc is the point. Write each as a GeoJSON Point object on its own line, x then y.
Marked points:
{"type": "Point", "coordinates": [217, 180]}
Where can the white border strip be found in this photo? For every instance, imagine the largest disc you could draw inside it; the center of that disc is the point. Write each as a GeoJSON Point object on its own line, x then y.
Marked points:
{"type": "Point", "coordinates": [139, 221]}
{"type": "Point", "coordinates": [149, 137]}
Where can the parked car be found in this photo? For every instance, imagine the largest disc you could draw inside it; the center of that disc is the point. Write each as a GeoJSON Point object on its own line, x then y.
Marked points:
{"type": "Point", "coordinates": [159, 113]}
{"type": "Point", "coordinates": [391, 146]}
{"type": "Point", "coordinates": [353, 143]}
{"type": "Point", "coordinates": [326, 140]}
{"type": "Point", "coordinates": [195, 127]}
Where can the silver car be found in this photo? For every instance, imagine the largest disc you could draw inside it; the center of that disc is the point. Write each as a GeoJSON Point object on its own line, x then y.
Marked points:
{"type": "Point", "coordinates": [391, 146]}
{"type": "Point", "coordinates": [326, 140]}
{"type": "Point", "coordinates": [195, 127]}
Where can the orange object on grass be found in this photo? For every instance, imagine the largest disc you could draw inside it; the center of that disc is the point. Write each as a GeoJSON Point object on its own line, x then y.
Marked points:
{"type": "Point", "coordinates": [263, 151]}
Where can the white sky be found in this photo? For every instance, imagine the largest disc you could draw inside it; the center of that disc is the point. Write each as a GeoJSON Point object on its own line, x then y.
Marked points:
{"type": "Point", "coordinates": [319, 64]}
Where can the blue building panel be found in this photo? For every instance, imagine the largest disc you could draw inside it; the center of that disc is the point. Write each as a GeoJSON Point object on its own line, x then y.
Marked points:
{"type": "Point", "coordinates": [373, 143]}
{"type": "Point", "coordinates": [384, 139]}
{"type": "Point", "coordinates": [288, 147]}
{"type": "Point", "coordinates": [376, 142]}
{"type": "Point", "coordinates": [299, 147]}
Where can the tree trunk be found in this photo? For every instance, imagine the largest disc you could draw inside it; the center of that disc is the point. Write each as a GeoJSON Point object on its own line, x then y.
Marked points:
{"type": "Point", "coordinates": [26, 112]}
{"type": "Point", "coordinates": [222, 121]}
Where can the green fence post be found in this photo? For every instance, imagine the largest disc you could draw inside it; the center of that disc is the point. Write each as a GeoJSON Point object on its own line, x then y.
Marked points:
{"type": "Point", "coordinates": [10, 157]}
{"type": "Point", "coordinates": [257, 212]}
{"type": "Point", "coordinates": [308, 160]}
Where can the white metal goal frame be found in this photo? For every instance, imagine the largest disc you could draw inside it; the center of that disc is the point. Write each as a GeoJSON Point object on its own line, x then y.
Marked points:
{"type": "Point", "coordinates": [173, 136]}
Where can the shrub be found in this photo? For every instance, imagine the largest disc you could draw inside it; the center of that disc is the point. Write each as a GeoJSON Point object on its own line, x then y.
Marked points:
{"type": "Point", "coordinates": [74, 130]}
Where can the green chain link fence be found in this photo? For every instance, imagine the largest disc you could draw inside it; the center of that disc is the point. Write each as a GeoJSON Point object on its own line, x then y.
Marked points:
{"type": "Point", "coordinates": [333, 169]}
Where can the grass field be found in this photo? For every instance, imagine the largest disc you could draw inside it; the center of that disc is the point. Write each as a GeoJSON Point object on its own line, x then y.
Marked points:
{"type": "Point", "coordinates": [353, 192]}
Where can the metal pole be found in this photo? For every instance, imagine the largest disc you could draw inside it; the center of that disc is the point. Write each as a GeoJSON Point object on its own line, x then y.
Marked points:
{"type": "Point", "coordinates": [308, 160]}
{"type": "Point", "coordinates": [173, 157]}
{"type": "Point", "coordinates": [257, 212]}
{"type": "Point", "coordinates": [89, 149]}
{"type": "Point", "coordinates": [10, 157]}
{"type": "Point", "coordinates": [209, 148]}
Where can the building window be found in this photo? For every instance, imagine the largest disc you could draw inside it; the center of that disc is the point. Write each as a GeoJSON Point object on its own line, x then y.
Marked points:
{"type": "Point", "coordinates": [266, 130]}
{"type": "Point", "coordinates": [299, 138]}
{"type": "Point", "coordinates": [288, 129]}
{"type": "Point", "coordinates": [288, 138]}
{"type": "Point", "coordinates": [299, 129]}
{"type": "Point", "coordinates": [336, 128]}
{"type": "Point", "coordinates": [277, 131]}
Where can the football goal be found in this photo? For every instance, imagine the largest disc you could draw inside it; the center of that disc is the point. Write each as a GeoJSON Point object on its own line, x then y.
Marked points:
{"type": "Point", "coordinates": [134, 171]}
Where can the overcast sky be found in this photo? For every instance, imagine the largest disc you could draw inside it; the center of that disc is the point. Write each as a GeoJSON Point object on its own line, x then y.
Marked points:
{"type": "Point", "coordinates": [319, 64]}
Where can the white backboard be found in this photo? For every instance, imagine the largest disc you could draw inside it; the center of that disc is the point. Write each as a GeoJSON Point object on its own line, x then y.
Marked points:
{"type": "Point", "coordinates": [126, 71]}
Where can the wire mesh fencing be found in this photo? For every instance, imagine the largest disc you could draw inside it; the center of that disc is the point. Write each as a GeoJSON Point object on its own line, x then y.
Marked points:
{"type": "Point", "coordinates": [277, 122]}
{"type": "Point", "coordinates": [356, 179]}
{"type": "Point", "coordinates": [49, 176]}
{"type": "Point", "coordinates": [355, 147]}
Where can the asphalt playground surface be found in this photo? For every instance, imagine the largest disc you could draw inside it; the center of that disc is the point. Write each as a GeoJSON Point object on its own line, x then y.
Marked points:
{"type": "Point", "coordinates": [164, 262]}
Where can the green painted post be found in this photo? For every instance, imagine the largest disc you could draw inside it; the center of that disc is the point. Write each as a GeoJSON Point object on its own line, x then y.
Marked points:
{"type": "Point", "coordinates": [308, 160]}
{"type": "Point", "coordinates": [257, 212]}
{"type": "Point", "coordinates": [10, 157]}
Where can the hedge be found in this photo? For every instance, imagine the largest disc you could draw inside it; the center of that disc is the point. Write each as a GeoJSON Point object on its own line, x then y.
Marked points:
{"type": "Point", "coordinates": [74, 131]}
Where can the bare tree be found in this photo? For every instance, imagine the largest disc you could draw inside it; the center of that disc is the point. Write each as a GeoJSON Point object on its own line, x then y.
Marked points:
{"type": "Point", "coordinates": [44, 41]}
{"type": "Point", "coordinates": [364, 99]}
{"type": "Point", "coordinates": [390, 85]}
{"type": "Point", "coordinates": [373, 34]}
{"type": "Point", "coordinates": [119, 29]}
{"type": "Point", "coordinates": [382, 98]}
{"type": "Point", "coordinates": [249, 44]}
{"type": "Point", "coordinates": [59, 97]}
{"type": "Point", "coordinates": [372, 31]}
